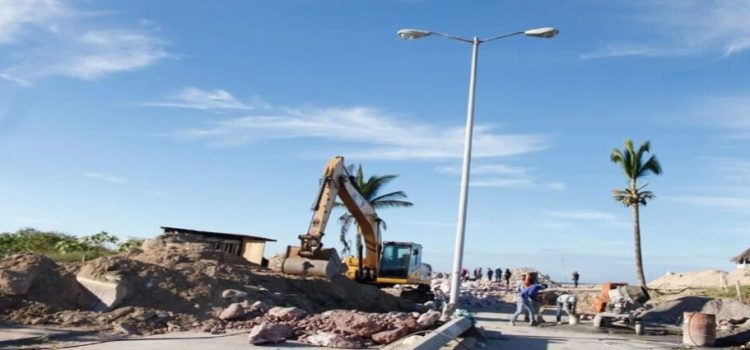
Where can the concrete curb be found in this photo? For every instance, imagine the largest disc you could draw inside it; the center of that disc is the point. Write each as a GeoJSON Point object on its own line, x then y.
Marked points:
{"type": "Point", "coordinates": [441, 336]}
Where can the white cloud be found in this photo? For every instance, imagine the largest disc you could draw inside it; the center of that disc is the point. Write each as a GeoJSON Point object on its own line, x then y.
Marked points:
{"type": "Point", "coordinates": [678, 28]}
{"type": "Point", "coordinates": [195, 98]}
{"type": "Point", "coordinates": [19, 15]}
{"type": "Point", "coordinates": [386, 136]}
{"type": "Point", "coordinates": [737, 204]}
{"type": "Point", "coordinates": [106, 177]}
{"type": "Point", "coordinates": [587, 215]}
{"type": "Point", "coordinates": [569, 218]}
{"type": "Point", "coordinates": [61, 41]}
{"type": "Point", "coordinates": [502, 176]}
{"type": "Point", "coordinates": [626, 50]}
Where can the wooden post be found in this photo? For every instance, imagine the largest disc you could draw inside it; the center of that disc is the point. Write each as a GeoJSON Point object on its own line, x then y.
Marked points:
{"type": "Point", "coordinates": [739, 290]}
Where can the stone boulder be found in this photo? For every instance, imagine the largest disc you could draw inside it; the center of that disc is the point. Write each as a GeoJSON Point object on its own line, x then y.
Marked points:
{"type": "Point", "coordinates": [389, 336]}
{"type": "Point", "coordinates": [233, 294]}
{"type": "Point", "coordinates": [232, 312]}
{"type": "Point", "coordinates": [428, 318]}
{"type": "Point", "coordinates": [269, 333]}
{"type": "Point", "coordinates": [286, 313]}
{"type": "Point", "coordinates": [331, 340]}
{"type": "Point", "coordinates": [355, 323]}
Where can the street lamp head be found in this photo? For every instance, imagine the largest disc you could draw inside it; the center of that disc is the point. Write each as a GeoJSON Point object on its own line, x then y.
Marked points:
{"type": "Point", "coordinates": [411, 34]}
{"type": "Point", "coordinates": [546, 32]}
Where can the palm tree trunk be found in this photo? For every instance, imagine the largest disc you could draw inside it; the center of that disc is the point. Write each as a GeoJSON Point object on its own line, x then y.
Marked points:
{"type": "Point", "coordinates": [637, 240]}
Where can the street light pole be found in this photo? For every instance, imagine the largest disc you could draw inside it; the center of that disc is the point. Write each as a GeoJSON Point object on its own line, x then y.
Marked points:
{"type": "Point", "coordinates": [411, 34]}
{"type": "Point", "coordinates": [463, 197]}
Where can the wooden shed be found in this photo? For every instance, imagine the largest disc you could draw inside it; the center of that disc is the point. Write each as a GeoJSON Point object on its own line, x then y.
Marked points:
{"type": "Point", "coordinates": [250, 247]}
{"type": "Point", "coordinates": [743, 259]}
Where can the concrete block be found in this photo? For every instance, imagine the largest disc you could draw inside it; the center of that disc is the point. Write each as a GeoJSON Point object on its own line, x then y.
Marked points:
{"type": "Point", "coordinates": [109, 290]}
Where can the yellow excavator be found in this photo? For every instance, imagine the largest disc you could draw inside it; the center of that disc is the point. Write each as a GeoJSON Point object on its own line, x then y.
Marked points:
{"type": "Point", "coordinates": [382, 263]}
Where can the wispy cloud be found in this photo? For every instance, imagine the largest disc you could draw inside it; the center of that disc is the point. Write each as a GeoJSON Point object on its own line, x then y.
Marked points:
{"type": "Point", "coordinates": [51, 38]}
{"type": "Point", "coordinates": [729, 203]}
{"type": "Point", "coordinates": [502, 176]}
{"type": "Point", "coordinates": [195, 98]}
{"type": "Point", "coordinates": [569, 218]}
{"type": "Point", "coordinates": [384, 135]}
{"type": "Point", "coordinates": [106, 177]}
{"type": "Point", "coordinates": [688, 27]}
{"type": "Point", "coordinates": [626, 50]}
{"type": "Point", "coordinates": [587, 215]}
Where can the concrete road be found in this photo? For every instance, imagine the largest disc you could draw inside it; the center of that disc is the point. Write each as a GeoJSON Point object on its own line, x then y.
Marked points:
{"type": "Point", "coordinates": [552, 337]}
{"type": "Point", "coordinates": [500, 333]}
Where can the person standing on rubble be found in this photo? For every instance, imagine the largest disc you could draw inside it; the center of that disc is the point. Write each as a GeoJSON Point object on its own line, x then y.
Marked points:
{"type": "Point", "coordinates": [479, 274]}
{"type": "Point", "coordinates": [498, 274]}
{"type": "Point", "coordinates": [575, 279]}
{"type": "Point", "coordinates": [489, 274]}
{"type": "Point", "coordinates": [568, 303]}
{"type": "Point", "coordinates": [464, 274]}
{"type": "Point", "coordinates": [507, 278]}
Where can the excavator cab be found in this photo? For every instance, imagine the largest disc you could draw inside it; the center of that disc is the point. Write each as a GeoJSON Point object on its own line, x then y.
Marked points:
{"type": "Point", "coordinates": [401, 263]}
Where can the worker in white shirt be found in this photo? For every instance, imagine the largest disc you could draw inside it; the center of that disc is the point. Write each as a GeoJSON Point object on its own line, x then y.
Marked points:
{"type": "Point", "coordinates": [566, 302]}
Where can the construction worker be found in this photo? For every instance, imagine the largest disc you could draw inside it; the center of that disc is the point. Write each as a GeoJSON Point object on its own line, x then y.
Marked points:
{"type": "Point", "coordinates": [527, 298]}
{"type": "Point", "coordinates": [575, 279]}
{"type": "Point", "coordinates": [568, 303]}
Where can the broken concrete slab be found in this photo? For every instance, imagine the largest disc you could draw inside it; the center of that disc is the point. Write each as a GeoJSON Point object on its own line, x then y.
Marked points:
{"type": "Point", "coordinates": [109, 289]}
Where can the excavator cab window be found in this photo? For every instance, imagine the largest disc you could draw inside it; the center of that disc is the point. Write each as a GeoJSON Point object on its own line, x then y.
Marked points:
{"type": "Point", "coordinates": [395, 261]}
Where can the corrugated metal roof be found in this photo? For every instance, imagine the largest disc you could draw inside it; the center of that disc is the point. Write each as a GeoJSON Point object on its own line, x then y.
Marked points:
{"type": "Point", "coordinates": [217, 234]}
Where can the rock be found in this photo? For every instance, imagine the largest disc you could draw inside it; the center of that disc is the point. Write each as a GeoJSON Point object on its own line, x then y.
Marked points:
{"type": "Point", "coordinates": [120, 312]}
{"type": "Point", "coordinates": [286, 313]}
{"type": "Point", "coordinates": [410, 324]}
{"type": "Point", "coordinates": [355, 323]}
{"type": "Point", "coordinates": [15, 282]}
{"type": "Point", "coordinates": [386, 337]}
{"type": "Point", "coordinates": [331, 340]}
{"type": "Point", "coordinates": [233, 294]}
{"type": "Point", "coordinates": [260, 306]}
{"type": "Point", "coordinates": [428, 318]}
{"type": "Point", "coordinates": [173, 327]}
{"type": "Point", "coordinates": [232, 312]}
{"type": "Point", "coordinates": [125, 328]}
{"type": "Point", "coordinates": [269, 333]}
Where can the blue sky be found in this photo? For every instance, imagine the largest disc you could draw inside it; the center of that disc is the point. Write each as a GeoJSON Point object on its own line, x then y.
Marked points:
{"type": "Point", "coordinates": [127, 115]}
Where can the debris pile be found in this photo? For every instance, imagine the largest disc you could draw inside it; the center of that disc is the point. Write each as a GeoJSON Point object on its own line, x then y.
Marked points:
{"type": "Point", "coordinates": [172, 283]}
{"type": "Point", "coordinates": [700, 279]}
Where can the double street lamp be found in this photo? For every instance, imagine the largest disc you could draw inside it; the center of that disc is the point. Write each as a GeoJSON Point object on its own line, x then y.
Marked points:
{"type": "Point", "coordinates": [411, 34]}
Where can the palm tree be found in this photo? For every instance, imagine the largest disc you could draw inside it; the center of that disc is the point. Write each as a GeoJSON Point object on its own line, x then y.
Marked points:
{"type": "Point", "coordinates": [370, 190]}
{"type": "Point", "coordinates": [632, 162]}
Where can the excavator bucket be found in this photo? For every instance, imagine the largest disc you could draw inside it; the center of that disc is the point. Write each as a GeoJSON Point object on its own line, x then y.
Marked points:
{"type": "Point", "coordinates": [325, 263]}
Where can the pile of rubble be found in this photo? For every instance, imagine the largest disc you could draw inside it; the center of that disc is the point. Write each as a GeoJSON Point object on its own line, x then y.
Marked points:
{"type": "Point", "coordinates": [333, 328]}
{"type": "Point", "coordinates": [483, 293]}
{"type": "Point", "coordinates": [172, 283]}
{"type": "Point", "coordinates": [732, 316]}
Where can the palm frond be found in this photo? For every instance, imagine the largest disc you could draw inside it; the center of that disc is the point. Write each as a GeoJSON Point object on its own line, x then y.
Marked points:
{"type": "Point", "coordinates": [644, 148]}
{"type": "Point", "coordinates": [651, 166]}
{"type": "Point", "coordinates": [374, 184]}
{"type": "Point", "coordinates": [392, 204]}
{"type": "Point", "coordinates": [387, 196]}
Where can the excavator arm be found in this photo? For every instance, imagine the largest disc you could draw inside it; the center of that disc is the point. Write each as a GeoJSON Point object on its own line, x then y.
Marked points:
{"type": "Point", "coordinates": [310, 258]}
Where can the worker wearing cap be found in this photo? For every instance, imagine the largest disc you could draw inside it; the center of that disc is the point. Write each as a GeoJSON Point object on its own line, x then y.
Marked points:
{"type": "Point", "coordinates": [566, 302]}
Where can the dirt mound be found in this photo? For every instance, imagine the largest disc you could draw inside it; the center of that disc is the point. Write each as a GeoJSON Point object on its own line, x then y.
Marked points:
{"type": "Point", "coordinates": [31, 278]}
{"type": "Point", "coordinates": [173, 282]}
{"type": "Point", "coordinates": [671, 312]}
{"type": "Point", "coordinates": [700, 279]}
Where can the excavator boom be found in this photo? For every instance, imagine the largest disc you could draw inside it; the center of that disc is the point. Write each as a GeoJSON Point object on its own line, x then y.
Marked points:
{"type": "Point", "coordinates": [310, 258]}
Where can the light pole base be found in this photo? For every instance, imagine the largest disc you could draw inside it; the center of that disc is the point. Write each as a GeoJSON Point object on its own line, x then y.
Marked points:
{"type": "Point", "coordinates": [448, 310]}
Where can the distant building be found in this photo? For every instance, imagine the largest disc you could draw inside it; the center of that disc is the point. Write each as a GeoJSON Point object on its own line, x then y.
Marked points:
{"type": "Point", "coordinates": [249, 247]}
{"type": "Point", "coordinates": [742, 260]}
